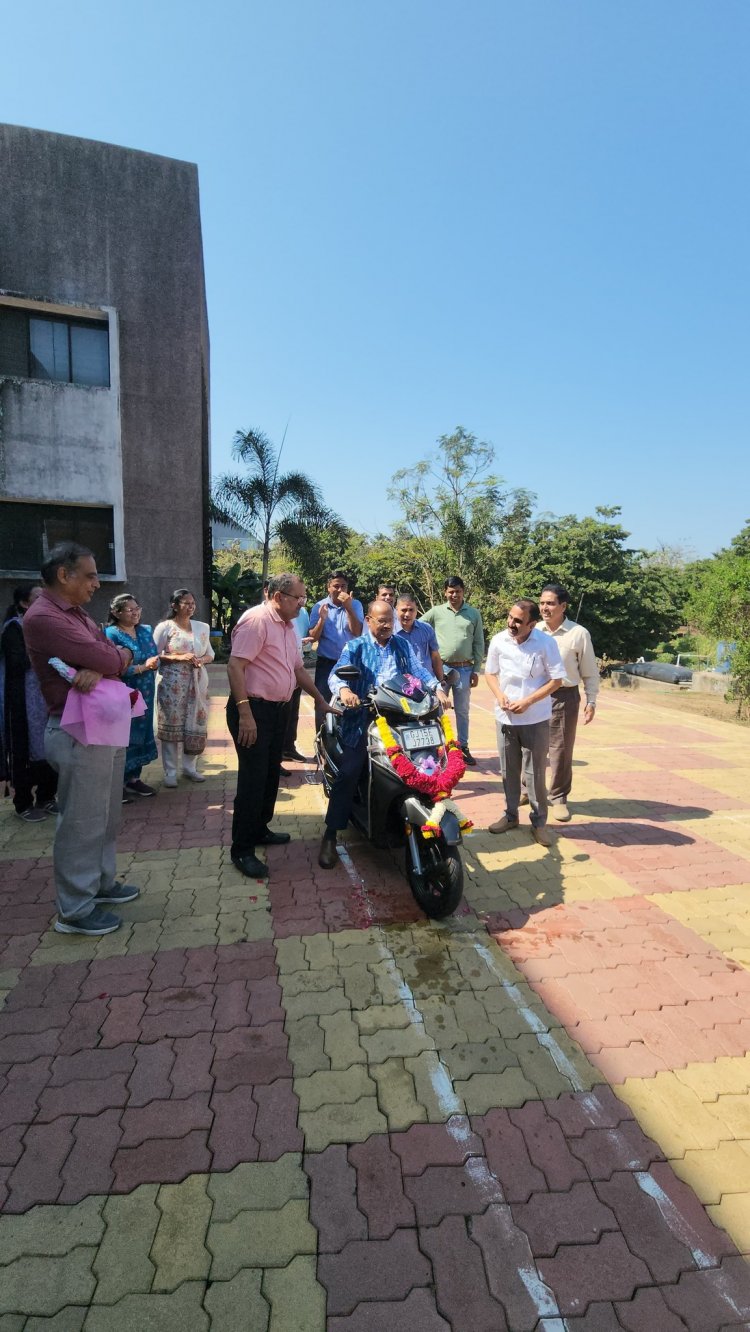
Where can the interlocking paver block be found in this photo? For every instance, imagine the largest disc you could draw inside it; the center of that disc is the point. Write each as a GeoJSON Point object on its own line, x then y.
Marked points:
{"type": "Point", "coordinates": [88, 1168]}
{"type": "Point", "coordinates": [397, 1094]}
{"type": "Point", "coordinates": [122, 1265]}
{"type": "Point", "coordinates": [368, 1269]}
{"type": "Point", "coordinates": [345, 1122]}
{"type": "Point", "coordinates": [261, 1186]}
{"type": "Point", "coordinates": [581, 1273]}
{"type": "Point", "coordinates": [647, 1312]}
{"type": "Point", "coordinates": [417, 1313]}
{"type": "Point", "coordinates": [380, 1187]}
{"type": "Point", "coordinates": [70, 1319]}
{"type": "Point", "coordinates": [51, 1231]}
{"type": "Point", "coordinates": [333, 1201]}
{"type": "Point", "coordinates": [460, 1279]}
{"type": "Point", "coordinates": [574, 1217]}
{"type": "Point", "coordinates": [513, 1276]}
{"type": "Point", "coordinates": [333, 1088]}
{"type": "Point", "coordinates": [298, 1302]}
{"type": "Point", "coordinates": [37, 1178]}
{"type": "Point", "coordinates": [260, 1239]}
{"type": "Point", "coordinates": [239, 1303]}
{"type": "Point", "coordinates": [44, 1285]}
{"type": "Point", "coordinates": [179, 1251]}
{"type": "Point", "coordinates": [175, 1312]}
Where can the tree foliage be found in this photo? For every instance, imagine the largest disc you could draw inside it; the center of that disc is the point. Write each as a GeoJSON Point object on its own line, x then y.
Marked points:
{"type": "Point", "coordinates": [258, 500]}
{"type": "Point", "coordinates": [720, 605]}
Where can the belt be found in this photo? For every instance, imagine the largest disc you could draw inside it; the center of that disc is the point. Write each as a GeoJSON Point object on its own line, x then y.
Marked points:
{"type": "Point", "coordinates": [459, 663]}
{"type": "Point", "coordinates": [269, 702]}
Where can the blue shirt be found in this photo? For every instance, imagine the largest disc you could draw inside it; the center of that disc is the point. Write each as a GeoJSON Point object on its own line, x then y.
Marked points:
{"type": "Point", "coordinates": [422, 641]}
{"type": "Point", "coordinates": [336, 632]}
{"type": "Point", "coordinates": [302, 623]}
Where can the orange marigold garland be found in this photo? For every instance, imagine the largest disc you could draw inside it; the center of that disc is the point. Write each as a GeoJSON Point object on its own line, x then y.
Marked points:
{"type": "Point", "coordinates": [438, 785]}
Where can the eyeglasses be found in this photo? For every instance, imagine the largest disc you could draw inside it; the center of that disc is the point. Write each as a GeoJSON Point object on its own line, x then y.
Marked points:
{"type": "Point", "coordinates": [293, 596]}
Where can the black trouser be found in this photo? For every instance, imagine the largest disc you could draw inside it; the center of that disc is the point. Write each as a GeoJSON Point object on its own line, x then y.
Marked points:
{"type": "Point", "coordinates": [323, 668]}
{"type": "Point", "coordinates": [37, 774]}
{"type": "Point", "coordinates": [290, 738]}
{"type": "Point", "coordinates": [341, 799]}
{"type": "Point", "coordinates": [258, 772]}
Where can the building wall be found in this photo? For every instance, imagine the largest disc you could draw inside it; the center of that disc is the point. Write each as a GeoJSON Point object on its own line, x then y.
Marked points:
{"type": "Point", "coordinates": [85, 224]}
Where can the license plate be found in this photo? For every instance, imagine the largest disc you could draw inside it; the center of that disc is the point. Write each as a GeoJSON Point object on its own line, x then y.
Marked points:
{"type": "Point", "coordinates": [421, 737]}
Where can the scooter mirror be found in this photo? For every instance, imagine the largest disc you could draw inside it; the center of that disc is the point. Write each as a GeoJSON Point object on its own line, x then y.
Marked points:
{"type": "Point", "coordinates": [348, 672]}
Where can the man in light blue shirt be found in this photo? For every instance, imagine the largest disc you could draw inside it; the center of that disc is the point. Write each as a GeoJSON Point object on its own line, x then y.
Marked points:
{"type": "Point", "coordinates": [334, 621]}
{"type": "Point", "coordinates": [419, 635]}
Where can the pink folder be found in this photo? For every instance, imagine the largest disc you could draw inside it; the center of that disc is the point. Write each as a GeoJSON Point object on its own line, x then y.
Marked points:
{"type": "Point", "coordinates": [102, 717]}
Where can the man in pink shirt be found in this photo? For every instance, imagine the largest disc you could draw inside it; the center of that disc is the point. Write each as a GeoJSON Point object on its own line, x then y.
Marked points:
{"type": "Point", "coordinates": [90, 777]}
{"type": "Point", "coordinates": [264, 670]}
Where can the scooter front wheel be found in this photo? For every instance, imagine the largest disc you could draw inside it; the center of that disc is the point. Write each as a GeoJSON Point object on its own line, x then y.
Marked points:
{"type": "Point", "coordinates": [439, 888]}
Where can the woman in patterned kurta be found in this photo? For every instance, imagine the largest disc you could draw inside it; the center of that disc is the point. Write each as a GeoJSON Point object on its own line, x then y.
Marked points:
{"type": "Point", "coordinates": [125, 630]}
{"type": "Point", "coordinates": [184, 648]}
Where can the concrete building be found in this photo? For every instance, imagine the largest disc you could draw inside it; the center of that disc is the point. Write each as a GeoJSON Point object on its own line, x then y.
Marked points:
{"type": "Point", "coordinates": [104, 366]}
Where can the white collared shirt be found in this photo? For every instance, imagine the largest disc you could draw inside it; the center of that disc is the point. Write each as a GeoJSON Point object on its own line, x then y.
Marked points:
{"type": "Point", "coordinates": [522, 668]}
{"type": "Point", "coordinates": [577, 652]}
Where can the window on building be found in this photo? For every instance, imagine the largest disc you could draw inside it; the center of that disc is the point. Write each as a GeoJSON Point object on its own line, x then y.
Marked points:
{"type": "Point", "coordinates": [69, 351]}
{"type": "Point", "coordinates": [29, 531]}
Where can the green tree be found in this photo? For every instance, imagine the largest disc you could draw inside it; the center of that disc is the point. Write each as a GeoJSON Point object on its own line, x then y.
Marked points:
{"type": "Point", "coordinates": [312, 543]}
{"type": "Point", "coordinates": [453, 510]}
{"type": "Point", "coordinates": [258, 500]}
{"type": "Point", "coordinates": [720, 605]}
{"type": "Point", "coordinates": [234, 587]}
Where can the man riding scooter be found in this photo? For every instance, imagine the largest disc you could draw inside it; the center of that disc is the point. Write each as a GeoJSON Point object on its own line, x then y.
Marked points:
{"type": "Point", "coordinates": [379, 656]}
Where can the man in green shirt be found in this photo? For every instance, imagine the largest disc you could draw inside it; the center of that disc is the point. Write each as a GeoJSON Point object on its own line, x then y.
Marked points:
{"type": "Point", "coordinates": [460, 637]}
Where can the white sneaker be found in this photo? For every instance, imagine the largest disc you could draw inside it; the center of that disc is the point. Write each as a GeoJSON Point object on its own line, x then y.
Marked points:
{"type": "Point", "coordinates": [193, 775]}
{"type": "Point", "coordinates": [170, 781]}
{"type": "Point", "coordinates": [560, 812]}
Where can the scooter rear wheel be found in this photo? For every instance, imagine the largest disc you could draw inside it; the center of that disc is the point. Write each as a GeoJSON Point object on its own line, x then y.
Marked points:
{"type": "Point", "coordinates": [439, 888]}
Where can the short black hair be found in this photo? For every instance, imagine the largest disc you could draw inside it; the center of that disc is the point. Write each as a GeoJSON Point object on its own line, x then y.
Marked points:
{"type": "Point", "coordinates": [174, 601]}
{"type": "Point", "coordinates": [526, 604]}
{"type": "Point", "coordinates": [339, 573]}
{"type": "Point", "coordinates": [65, 555]}
{"type": "Point", "coordinates": [558, 591]}
{"type": "Point", "coordinates": [455, 581]}
{"type": "Point", "coordinates": [20, 600]}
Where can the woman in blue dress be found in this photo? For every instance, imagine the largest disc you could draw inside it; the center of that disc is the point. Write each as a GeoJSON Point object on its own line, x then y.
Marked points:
{"type": "Point", "coordinates": [125, 629]}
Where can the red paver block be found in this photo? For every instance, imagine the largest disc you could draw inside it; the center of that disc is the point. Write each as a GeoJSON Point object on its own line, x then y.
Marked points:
{"type": "Point", "coordinates": [20, 1098]}
{"type": "Point", "coordinates": [165, 1119]}
{"type": "Point", "coordinates": [88, 1168]}
{"type": "Point", "coordinates": [380, 1187]}
{"type": "Point", "coordinates": [508, 1157]}
{"type": "Point", "coordinates": [689, 1218]}
{"type": "Point", "coordinates": [417, 1313]}
{"type": "Point", "coordinates": [89, 1097]}
{"type": "Point", "coordinates": [230, 1009]}
{"type": "Point", "coordinates": [265, 1002]}
{"type": "Point", "coordinates": [168, 968]}
{"type": "Point", "coordinates": [647, 1232]}
{"type": "Point", "coordinates": [442, 1191]}
{"type": "Point", "coordinates": [575, 1217]}
{"type": "Point", "coordinates": [191, 1071]}
{"type": "Point", "coordinates": [123, 1023]}
{"type": "Point", "coordinates": [276, 1125]}
{"type": "Point", "coordinates": [603, 1151]}
{"type": "Point", "coordinates": [648, 1311]}
{"type": "Point", "coordinates": [37, 1178]}
{"type": "Point", "coordinates": [436, 1144]}
{"type": "Point", "coordinates": [463, 1295]}
{"type": "Point", "coordinates": [173, 1021]}
{"type": "Point", "coordinates": [581, 1273]}
{"type": "Point", "coordinates": [717, 1297]}
{"type": "Point", "coordinates": [546, 1145]}
{"type": "Point", "coordinates": [232, 1139]}
{"type": "Point", "coordinates": [513, 1276]}
{"type": "Point", "coordinates": [11, 1144]}
{"type": "Point", "coordinates": [98, 1063]}
{"type": "Point", "coordinates": [333, 1199]}
{"type": "Point", "coordinates": [150, 1079]}
{"type": "Point", "coordinates": [22, 1049]}
{"type": "Point", "coordinates": [114, 976]}
{"type": "Point", "coordinates": [161, 1161]}
{"type": "Point", "coordinates": [369, 1269]}
{"type": "Point", "coordinates": [82, 1030]}
{"type": "Point", "coordinates": [248, 1056]}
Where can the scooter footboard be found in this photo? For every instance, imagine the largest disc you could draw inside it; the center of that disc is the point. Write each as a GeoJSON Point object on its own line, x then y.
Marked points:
{"type": "Point", "coordinates": [417, 812]}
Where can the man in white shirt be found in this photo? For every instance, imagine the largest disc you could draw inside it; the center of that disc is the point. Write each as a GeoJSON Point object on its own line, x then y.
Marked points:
{"type": "Point", "coordinates": [523, 670]}
{"type": "Point", "coordinates": [577, 652]}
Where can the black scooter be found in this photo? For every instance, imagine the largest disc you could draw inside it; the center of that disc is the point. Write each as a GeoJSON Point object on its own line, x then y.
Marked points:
{"type": "Point", "coordinates": [385, 809]}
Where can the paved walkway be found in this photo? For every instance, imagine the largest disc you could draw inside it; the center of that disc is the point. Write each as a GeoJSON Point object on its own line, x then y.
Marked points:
{"type": "Point", "coordinates": [300, 1105]}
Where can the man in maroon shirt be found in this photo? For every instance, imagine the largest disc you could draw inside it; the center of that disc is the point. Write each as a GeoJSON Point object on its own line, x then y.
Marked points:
{"type": "Point", "coordinates": [90, 777]}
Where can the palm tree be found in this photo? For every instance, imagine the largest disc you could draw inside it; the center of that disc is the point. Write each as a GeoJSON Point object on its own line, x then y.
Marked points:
{"type": "Point", "coordinates": [252, 502]}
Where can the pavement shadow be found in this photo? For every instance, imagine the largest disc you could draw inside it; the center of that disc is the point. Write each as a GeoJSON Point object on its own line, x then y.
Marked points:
{"type": "Point", "coordinates": [660, 811]}
{"type": "Point", "coordinates": [616, 833]}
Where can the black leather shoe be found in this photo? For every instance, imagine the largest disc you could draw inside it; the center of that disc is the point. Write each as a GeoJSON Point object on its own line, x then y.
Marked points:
{"type": "Point", "coordinates": [328, 855]}
{"type": "Point", "coordinates": [295, 755]}
{"type": "Point", "coordinates": [270, 838]}
{"type": "Point", "coordinates": [469, 759]}
{"type": "Point", "coordinates": [284, 772]}
{"type": "Point", "coordinates": [251, 866]}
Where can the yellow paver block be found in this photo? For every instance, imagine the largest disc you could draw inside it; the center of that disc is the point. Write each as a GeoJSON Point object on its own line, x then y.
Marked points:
{"type": "Point", "coordinates": [123, 1265]}
{"type": "Point", "coordinates": [721, 916]}
{"type": "Point", "coordinates": [239, 1303]}
{"type": "Point", "coordinates": [341, 1040]}
{"type": "Point", "coordinates": [257, 1186]}
{"type": "Point", "coordinates": [700, 1117]}
{"type": "Point", "coordinates": [260, 1239]}
{"type": "Point", "coordinates": [179, 1252]}
{"type": "Point", "coordinates": [397, 1095]}
{"type": "Point", "coordinates": [176, 1312]}
{"type": "Point", "coordinates": [297, 1300]}
{"type": "Point", "coordinates": [45, 1285]}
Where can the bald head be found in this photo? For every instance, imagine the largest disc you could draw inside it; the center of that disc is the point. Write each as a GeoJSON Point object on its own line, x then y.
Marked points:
{"type": "Point", "coordinates": [380, 620]}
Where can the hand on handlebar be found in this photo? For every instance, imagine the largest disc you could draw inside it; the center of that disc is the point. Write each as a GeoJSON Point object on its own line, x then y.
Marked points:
{"type": "Point", "coordinates": [349, 698]}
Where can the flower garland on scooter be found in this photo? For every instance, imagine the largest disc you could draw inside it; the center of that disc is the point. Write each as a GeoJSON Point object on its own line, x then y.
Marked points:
{"type": "Point", "coordinates": [438, 785]}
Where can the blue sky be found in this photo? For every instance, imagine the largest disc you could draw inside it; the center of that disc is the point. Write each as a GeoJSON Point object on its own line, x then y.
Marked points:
{"type": "Point", "coordinates": [528, 218]}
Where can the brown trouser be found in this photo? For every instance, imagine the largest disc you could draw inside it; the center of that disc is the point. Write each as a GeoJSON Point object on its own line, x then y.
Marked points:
{"type": "Point", "coordinates": [566, 703]}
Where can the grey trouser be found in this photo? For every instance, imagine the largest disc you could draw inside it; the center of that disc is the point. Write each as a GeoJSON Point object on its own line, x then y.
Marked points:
{"type": "Point", "coordinates": [89, 794]}
{"type": "Point", "coordinates": [566, 703]}
{"type": "Point", "coordinates": [524, 746]}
